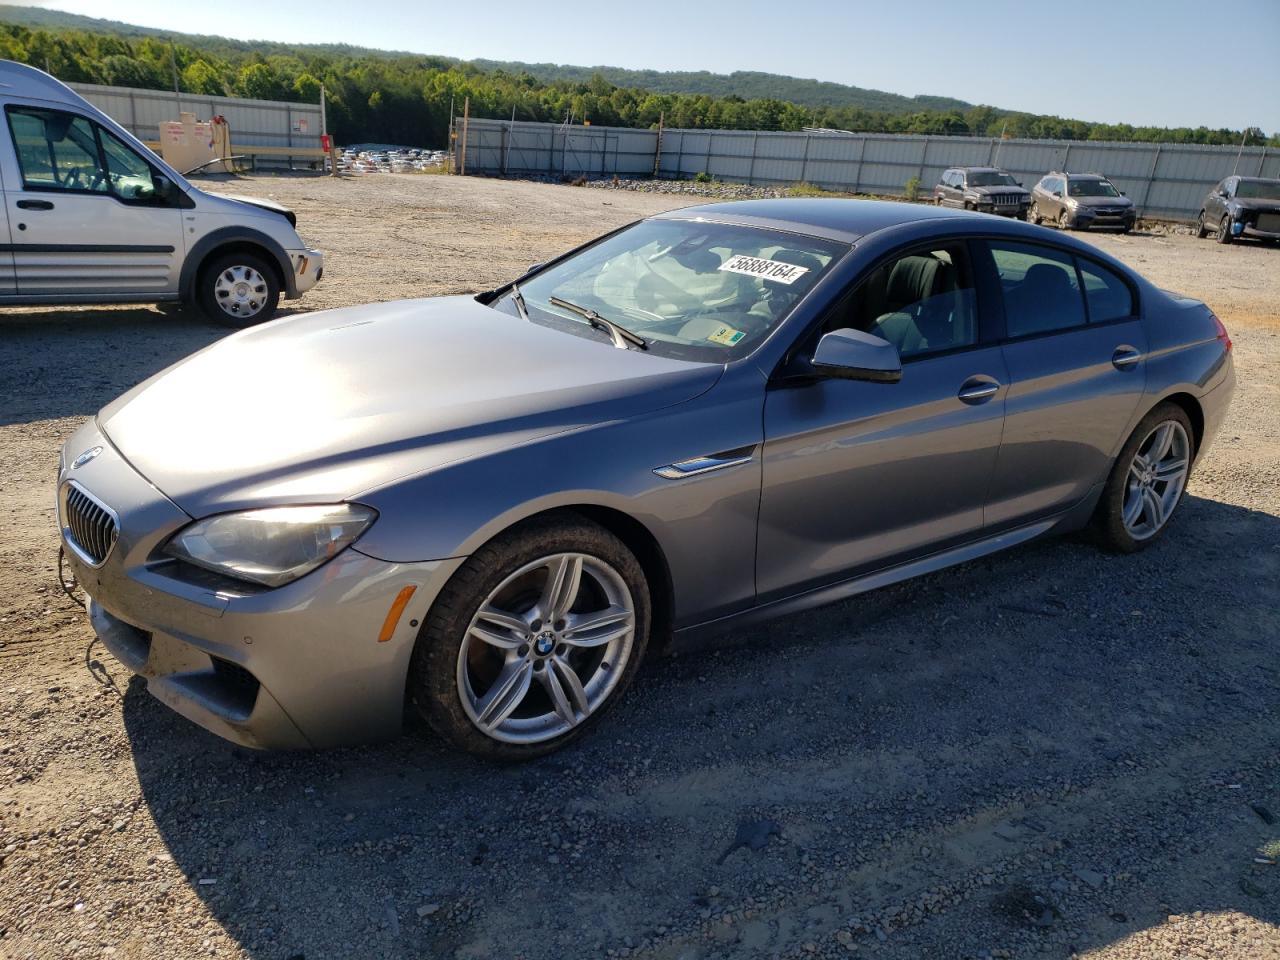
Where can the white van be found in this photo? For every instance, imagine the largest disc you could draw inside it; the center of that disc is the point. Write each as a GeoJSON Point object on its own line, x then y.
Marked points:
{"type": "Point", "coordinates": [91, 215]}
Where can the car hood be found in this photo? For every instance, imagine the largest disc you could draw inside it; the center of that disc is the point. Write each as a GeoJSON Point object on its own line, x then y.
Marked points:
{"type": "Point", "coordinates": [1103, 201]}
{"type": "Point", "coordinates": [265, 205]}
{"type": "Point", "coordinates": [1262, 206]}
{"type": "Point", "coordinates": [324, 406]}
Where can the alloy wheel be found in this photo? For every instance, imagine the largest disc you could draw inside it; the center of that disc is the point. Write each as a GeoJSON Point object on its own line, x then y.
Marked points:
{"type": "Point", "coordinates": [546, 648]}
{"type": "Point", "coordinates": [1064, 222]}
{"type": "Point", "coordinates": [240, 291]}
{"type": "Point", "coordinates": [1033, 213]}
{"type": "Point", "coordinates": [1157, 477]}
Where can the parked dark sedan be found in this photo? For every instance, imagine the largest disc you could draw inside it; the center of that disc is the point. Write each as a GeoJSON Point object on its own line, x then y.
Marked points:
{"type": "Point", "coordinates": [487, 508]}
{"type": "Point", "coordinates": [1241, 207]}
{"type": "Point", "coordinates": [986, 189]}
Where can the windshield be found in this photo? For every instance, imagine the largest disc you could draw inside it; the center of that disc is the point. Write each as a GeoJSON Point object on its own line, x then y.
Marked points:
{"type": "Point", "coordinates": [991, 178]}
{"type": "Point", "coordinates": [1258, 190]}
{"type": "Point", "coordinates": [1091, 188]}
{"type": "Point", "coordinates": [693, 290]}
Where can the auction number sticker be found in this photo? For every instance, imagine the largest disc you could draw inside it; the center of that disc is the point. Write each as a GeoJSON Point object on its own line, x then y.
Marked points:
{"type": "Point", "coordinates": [726, 335]}
{"type": "Point", "coordinates": [772, 270]}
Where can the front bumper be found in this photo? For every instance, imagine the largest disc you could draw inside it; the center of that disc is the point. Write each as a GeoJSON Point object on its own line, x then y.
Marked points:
{"type": "Point", "coordinates": [1018, 210]}
{"type": "Point", "coordinates": [1087, 219]}
{"type": "Point", "coordinates": [308, 268]}
{"type": "Point", "coordinates": [298, 666]}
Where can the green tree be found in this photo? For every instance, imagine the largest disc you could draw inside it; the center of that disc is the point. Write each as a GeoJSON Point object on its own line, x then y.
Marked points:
{"type": "Point", "coordinates": [201, 78]}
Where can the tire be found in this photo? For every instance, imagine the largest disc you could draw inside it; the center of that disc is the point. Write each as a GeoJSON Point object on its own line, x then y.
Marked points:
{"type": "Point", "coordinates": [1033, 213]}
{"type": "Point", "coordinates": [1224, 230]}
{"type": "Point", "coordinates": [238, 290]}
{"type": "Point", "coordinates": [1127, 477]}
{"type": "Point", "coordinates": [454, 673]}
{"type": "Point", "coordinates": [1064, 221]}
{"type": "Point", "coordinates": [1201, 230]}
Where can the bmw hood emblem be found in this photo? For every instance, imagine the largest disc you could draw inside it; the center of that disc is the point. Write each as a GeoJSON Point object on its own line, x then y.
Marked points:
{"type": "Point", "coordinates": [85, 457]}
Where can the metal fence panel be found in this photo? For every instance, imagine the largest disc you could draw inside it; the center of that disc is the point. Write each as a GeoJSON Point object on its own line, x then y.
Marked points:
{"type": "Point", "coordinates": [254, 123]}
{"type": "Point", "coordinates": [1164, 180]}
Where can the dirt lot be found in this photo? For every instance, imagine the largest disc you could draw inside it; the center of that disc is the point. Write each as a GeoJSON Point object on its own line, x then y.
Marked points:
{"type": "Point", "coordinates": [1046, 753]}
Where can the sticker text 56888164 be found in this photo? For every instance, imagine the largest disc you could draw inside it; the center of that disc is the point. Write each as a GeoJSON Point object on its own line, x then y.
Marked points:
{"type": "Point", "coordinates": [772, 270]}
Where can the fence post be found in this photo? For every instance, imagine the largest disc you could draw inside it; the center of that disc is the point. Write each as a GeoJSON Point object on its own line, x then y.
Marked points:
{"type": "Point", "coordinates": [924, 156]}
{"type": "Point", "coordinates": [1262, 161]}
{"type": "Point", "coordinates": [1066, 155]}
{"type": "Point", "coordinates": [657, 149]}
{"type": "Point", "coordinates": [857, 171]}
{"type": "Point", "coordinates": [804, 161]}
{"type": "Point", "coordinates": [504, 145]}
{"type": "Point", "coordinates": [466, 129]}
{"type": "Point", "coordinates": [1151, 175]}
{"type": "Point", "coordinates": [680, 157]}
{"type": "Point", "coordinates": [991, 153]}
{"type": "Point", "coordinates": [706, 163]}
{"type": "Point", "coordinates": [751, 170]}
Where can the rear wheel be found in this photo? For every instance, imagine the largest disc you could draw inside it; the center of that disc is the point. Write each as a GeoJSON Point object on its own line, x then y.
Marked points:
{"type": "Point", "coordinates": [1033, 213]}
{"type": "Point", "coordinates": [238, 290]}
{"type": "Point", "coordinates": [1147, 482]}
{"type": "Point", "coordinates": [1201, 230]}
{"type": "Point", "coordinates": [533, 639]}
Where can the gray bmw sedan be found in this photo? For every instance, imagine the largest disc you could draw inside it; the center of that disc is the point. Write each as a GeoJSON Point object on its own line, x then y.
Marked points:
{"type": "Point", "coordinates": [486, 509]}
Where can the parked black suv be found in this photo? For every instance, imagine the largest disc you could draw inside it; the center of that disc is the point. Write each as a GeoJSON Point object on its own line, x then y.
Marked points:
{"type": "Point", "coordinates": [988, 189]}
{"type": "Point", "coordinates": [1241, 207]}
{"type": "Point", "coordinates": [1078, 201]}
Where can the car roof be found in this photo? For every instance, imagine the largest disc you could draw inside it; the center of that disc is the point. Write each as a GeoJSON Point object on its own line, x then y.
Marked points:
{"type": "Point", "coordinates": [980, 169]}
{"type": "Point", "coordinates": [835, 218]}
{"type": "Point", "coordinates": [22, 80]}
{"type": "Point", "coordinates": [1257, 179]}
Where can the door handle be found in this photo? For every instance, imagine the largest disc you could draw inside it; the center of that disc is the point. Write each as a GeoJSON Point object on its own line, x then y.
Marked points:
{"type": "Point", "coordinates": [1125, 357]}
{"type": "Point", "coordinates": [974, 390]}
{"type": "Point", "coordinates": [35, 205]}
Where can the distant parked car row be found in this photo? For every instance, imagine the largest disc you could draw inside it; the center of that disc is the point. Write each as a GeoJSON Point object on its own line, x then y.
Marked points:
{"type": "Point", "coordinates": [1236, 207]}
{"type": "Point", "coordinates": [1071, 201]}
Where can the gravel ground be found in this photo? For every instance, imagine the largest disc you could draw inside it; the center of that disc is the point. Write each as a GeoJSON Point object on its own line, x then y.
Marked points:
{"type": "Point", "coordinates": [1045, 753]}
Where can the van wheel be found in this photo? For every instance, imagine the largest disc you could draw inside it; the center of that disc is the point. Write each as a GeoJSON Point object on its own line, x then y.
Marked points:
{"type": "Point", "coordinates": [238, 290]}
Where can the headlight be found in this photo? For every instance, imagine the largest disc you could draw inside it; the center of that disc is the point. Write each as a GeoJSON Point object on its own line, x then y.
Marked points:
{"type": "Point", "coordinates": [272, 546]}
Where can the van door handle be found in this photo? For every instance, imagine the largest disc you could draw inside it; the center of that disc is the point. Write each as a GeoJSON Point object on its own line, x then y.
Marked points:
{"type": "Point", "coordinates": [34, 205]}
{"type": "Point", "coordinates": [975, 390]}
{"type": "Point", "coordinates": [1125, 357]}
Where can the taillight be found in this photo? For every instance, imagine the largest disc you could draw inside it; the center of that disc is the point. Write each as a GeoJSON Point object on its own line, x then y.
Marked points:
{"type": "Point", "coordinates": [1222, 332]}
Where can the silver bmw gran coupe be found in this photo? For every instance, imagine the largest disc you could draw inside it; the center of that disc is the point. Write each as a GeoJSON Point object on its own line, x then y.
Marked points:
{"type": "Point", "coordinates": [486, 509]}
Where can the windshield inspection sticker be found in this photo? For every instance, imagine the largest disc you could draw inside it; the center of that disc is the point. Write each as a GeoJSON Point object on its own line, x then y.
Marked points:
{"type": "Point", "coordinates": [726, 335]}
{"type": "Point", "coordinates": [773, 270]}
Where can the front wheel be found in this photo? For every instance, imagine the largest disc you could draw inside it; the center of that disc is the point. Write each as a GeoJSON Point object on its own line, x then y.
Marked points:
{"type": "Point", "coordinates": [533, 639]}
{"type": "Point", "coordinates": [1147, 482]}
{"type": "Point", "coordinates": [1064, 220]}
{"type": "Point", "coordinates": [238, 290]}
{"type": "Point", "coordinates": [1224, 230]}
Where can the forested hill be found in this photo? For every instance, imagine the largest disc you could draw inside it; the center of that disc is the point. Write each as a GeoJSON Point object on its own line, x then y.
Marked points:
{"type": "Point", "coordinates": [399, 97]}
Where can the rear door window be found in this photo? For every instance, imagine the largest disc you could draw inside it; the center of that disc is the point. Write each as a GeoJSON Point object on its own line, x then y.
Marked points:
{"type": "Point", "coordinates": [1041, 288]}
{"type": "Point", "coordinates": [1109, 297]}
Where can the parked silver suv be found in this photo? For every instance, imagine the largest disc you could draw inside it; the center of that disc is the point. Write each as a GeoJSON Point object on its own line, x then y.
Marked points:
{"type": "Point", "coordinates": [987, 189]}
{"type": "Point", "coordinates": [1078, 201]}
{"type": "Point", "coordinates": [93, 216]}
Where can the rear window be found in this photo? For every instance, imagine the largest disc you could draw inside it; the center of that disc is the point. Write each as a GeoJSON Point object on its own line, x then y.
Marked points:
{"type": "Point", "coordinates": [1109, 297]}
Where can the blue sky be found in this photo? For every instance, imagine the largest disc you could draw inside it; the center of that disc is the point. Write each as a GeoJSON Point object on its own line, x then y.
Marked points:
{"type": "Point", "coordinates": [1165, 62]}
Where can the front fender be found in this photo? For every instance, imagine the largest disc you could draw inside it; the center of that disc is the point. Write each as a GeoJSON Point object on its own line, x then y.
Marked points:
{"type": "Point", "coordinates": [705, 525]}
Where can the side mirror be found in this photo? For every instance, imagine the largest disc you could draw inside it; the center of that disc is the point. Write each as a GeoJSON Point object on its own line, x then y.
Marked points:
{"type": "Point", "coordinates": [533, 268]}
{"type": "Point", "coordinates": [1122, 193]}
{"type": "Point", "coordinates": [1058, 194]}
{"type": "Point", "coordinates": [162, 185]}
{"type": "Point", "coordinates": [1021, 184]}
{"type": "Point", "coordinates": [854, 355]}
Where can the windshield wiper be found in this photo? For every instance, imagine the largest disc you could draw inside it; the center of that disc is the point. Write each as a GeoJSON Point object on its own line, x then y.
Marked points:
{"type": "Point", "coordinates": [620, 334]}
{"type": "Point", "coordinates": [518, 299]}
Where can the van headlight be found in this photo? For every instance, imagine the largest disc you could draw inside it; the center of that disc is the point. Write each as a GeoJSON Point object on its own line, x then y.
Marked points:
{"type": "Point", "coordinates": [273, 546]}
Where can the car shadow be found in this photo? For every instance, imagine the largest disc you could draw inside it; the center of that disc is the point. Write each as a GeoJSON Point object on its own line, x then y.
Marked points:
{"type": "Point", "coordinates": [1079, 692]}
{"type": "Point", "coordinates": [67, 361]}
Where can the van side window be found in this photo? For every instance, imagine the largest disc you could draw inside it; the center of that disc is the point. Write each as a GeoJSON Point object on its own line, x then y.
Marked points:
{"type": "Point", "coordinates": [56, 151]}
{"type": "Point", "coordinates": [130, 176]}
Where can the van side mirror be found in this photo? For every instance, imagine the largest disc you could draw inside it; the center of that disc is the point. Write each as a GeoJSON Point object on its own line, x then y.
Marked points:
{"type": "Point", "coordinates": [854, 355]}
{"type": "Point", "coordinates": [534, 268]}
{"type": "Point", "coordinates": [162, 185]}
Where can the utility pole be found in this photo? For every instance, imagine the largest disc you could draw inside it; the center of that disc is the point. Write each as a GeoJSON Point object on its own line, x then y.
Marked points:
{"type": "Point", "coordinates": [466, 124]}
{"type": "Point", "coordinates": [1239, 153]}
{"type": "Point", "coordinates": [657, 150]}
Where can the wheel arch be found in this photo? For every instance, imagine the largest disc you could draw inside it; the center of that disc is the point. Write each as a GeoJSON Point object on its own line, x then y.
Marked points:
{"type": "Point", "coordinates": [231, 240]}
{"type": "Point", "coordinates": [1195, 413]}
